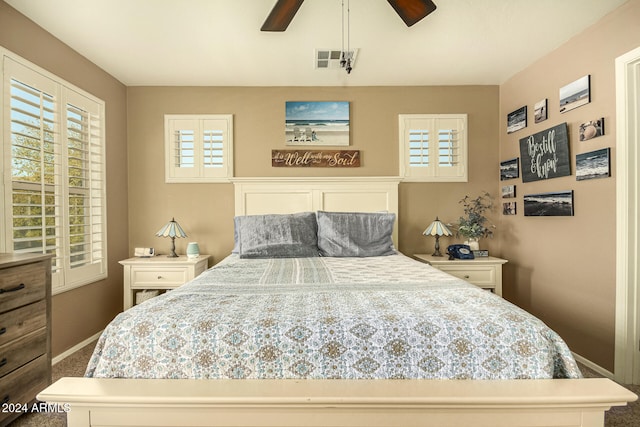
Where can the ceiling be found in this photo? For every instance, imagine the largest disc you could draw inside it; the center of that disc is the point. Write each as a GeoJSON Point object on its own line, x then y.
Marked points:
{"type": "Point", "coordinates": [219, 42]}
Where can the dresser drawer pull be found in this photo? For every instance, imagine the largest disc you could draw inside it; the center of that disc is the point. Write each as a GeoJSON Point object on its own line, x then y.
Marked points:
{"type": "Point", "coordinates": [3, 330]}
{"type": "Point", "coordinates": [16, 288]}
{"type": "Point", "coordinates": [5, 399]}
{"type": "Point", "coordinates": [3, 362]}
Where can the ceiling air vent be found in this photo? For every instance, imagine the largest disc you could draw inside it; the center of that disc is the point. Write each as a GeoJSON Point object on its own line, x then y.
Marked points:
{"type": "Point", "coordinates": [330, 58]}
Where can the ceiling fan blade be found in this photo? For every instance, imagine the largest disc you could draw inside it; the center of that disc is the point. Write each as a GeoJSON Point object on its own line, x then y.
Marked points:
{"type": "Point", "coordinates": [411, 11]}
{"type": "Point", "coordinates": [281, 15]}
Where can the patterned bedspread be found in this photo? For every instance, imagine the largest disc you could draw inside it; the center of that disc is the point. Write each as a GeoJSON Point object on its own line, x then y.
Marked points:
{"type": "Point", "coordinates": [377, 317]}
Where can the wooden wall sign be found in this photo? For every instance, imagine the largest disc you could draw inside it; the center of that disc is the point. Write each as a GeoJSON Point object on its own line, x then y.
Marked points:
{"type": "Point", "coordinates": [545, 154]}
{"type": "Point", "coordinates": [316, 158]}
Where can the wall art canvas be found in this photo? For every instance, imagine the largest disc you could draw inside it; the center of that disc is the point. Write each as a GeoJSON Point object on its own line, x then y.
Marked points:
{"type": "Point", "coordinates": [313, 123]}
{"type": "Point", "coordinates": [592, 129]}
{"type": "Point", "coordinates": [545, 155]}
{"type": "Point", "coordinates": [509, 169]}
{"type": "Point", "coordinates": [509, 208]}
{"type": "Point", "coordinates": [549, 204]}
{"type": "Point", "coordinates": [517, 120]}
{"type": "Point", "coordinates": [575, 94]}
{"type": "Point", "coordinates": [594, 164]}
{"type": "Point", "coordinates": [315, 158]}
{"type": "Point", "coordinates": [540, 111]}
{"type": "Point", "coordinates": [508, 191]}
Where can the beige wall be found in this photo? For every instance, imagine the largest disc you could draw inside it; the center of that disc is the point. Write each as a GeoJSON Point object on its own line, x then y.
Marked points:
{"type": "Point", "coordinates": [80, 313]}
{"type": "Point", "coordinates": [562, 269]}
{"type": "Point", "coordinates": [206, 210]}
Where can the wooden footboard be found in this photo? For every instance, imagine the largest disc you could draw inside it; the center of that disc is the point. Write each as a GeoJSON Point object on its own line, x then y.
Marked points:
{"type": "Point", "coordinates": [366, 403]}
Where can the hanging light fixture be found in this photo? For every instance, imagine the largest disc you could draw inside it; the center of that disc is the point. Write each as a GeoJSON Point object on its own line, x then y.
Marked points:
{"type": "Point", "coordinates": [346, 58]}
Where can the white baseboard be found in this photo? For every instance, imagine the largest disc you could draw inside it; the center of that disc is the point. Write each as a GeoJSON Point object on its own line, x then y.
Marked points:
{"type": "Point", "coordinates": [589, 364]}
{"type": "Point", "coordinates": [75, 348]}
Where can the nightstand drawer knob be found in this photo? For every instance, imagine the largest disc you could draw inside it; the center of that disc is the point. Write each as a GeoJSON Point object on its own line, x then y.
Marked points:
{"type": "Point", "coordinates": [466, 276]}
{"type": "Point", "coordinates": [159, 277]}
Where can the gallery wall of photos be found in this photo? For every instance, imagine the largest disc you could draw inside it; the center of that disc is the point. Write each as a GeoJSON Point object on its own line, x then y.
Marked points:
{"type": "Point", "coordinates": [546, 155]}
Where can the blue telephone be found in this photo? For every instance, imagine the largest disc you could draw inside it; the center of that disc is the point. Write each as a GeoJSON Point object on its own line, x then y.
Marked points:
{"type": "Point", "coordinates": [460, 252]}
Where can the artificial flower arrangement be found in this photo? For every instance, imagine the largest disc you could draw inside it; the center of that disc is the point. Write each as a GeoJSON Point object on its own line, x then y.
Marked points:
{"type": "Point", "coordinates": [474, 224]}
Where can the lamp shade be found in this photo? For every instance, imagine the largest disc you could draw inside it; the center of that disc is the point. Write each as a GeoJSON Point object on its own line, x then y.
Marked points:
{"type": "Point", "coordinates": [171, 229]}
{"type": "Point", "coordinates": [437, 228]}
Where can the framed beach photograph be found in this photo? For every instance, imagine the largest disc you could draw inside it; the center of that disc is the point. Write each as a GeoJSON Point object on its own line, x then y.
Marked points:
{"type": "Point", "coordinates": [592, 129]}
{"type": "Point", "coordinates": [314, 123]}
{"type": "Point", "coordinates": [540, 111]}
{"type": "Point", "coordinates": [508, 191]}
{"type": "Point", "coordinates": [594, 164]}
{"type": "Point", "coordinates": [549, 204]}
{"type": "Point", "coordinates": [509, 169]}
{"type": "Point", "coordinates": [575, 94]}
{"type": "Point", "coordinates": [517, 120]}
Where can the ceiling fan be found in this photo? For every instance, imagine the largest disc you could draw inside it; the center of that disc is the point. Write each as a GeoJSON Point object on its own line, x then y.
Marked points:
{"type": "Point", "coordinates": [411, 11]}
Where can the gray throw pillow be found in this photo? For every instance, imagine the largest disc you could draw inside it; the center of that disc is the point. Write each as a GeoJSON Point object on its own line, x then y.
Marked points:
{"type": "Point", "coordinates": [277, 235]}
{"type": "Point", "coordinates": [355, 234]}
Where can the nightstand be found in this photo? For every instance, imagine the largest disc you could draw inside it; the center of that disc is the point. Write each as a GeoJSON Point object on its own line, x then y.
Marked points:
{"type": "Point", "coordinates": [159, 273]}
{"type": "Point", "coordinates": [484, 272]}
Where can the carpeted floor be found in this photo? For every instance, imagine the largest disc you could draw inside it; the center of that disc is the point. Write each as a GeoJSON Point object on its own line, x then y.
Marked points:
{"type": "Point", "coordinates": [74, 366]}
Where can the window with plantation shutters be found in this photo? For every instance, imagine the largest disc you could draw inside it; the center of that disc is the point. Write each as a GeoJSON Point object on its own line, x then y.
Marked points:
{"type": "Point", "coordinates": [54, 201]}
{"type": "Point", "coordinates": [433, 147]}
{"type": "Point", "coordinates": [198, 148]}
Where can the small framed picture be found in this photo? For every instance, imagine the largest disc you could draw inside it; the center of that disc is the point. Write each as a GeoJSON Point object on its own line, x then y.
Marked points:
{"type": "Point", "coordinates": [517, 120]}
{"type": "Point", "coordinates": [509, 208]}
{"type": "Point", "coordinates": [540, 111]}
{"type": "Point", "coordinates": [508, 191]}
{"type": "Point", "coordinates": [594, 164]}
{"type": "Point", "coordinates": [575, 94]}
{"type": "Point", "coordinates": [592, 129]}
{"type": "Point", "coordinates": [509, 169]}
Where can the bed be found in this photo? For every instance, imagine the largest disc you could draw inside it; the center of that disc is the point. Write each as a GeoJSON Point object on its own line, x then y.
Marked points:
{"type": "Point", "coordinates": [315, 319]}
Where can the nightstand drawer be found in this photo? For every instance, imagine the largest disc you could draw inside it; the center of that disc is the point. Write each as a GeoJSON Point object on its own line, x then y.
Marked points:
{"type": "Point", "coordinates": [142, 277]}
{"type": "Point", "coordinates": [477, 276]}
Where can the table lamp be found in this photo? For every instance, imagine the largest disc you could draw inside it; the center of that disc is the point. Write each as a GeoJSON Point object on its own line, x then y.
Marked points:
{"type": "Point", "coordinates": [437, 229]}
{"type": "Point", "coordinates": [172, 229]}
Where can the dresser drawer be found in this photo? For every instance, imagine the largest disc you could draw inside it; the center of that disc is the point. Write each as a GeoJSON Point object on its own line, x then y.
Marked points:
{"type": "Point", "coordinates": [22, 284]}
{"type": "Point", "coordinates": [149, 277]}
{"type": "Point", "coordinates": [22, 350]}
{"type": "Point", "coordinates": [21, 385]}
{"type": "Point", "coordinates": [21, 321]}
{"type": "Point", "coordinates": [479, 275]}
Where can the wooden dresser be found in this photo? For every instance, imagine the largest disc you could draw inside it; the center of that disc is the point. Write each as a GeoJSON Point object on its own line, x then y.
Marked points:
{"type": "Point", "coordinates": [25, 330]}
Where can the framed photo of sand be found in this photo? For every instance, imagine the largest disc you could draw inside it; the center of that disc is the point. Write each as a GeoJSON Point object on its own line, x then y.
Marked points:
{"type": "Point", "coordinates": [314, 123]}
{"type": "Point", "coordinates": [575, 94]}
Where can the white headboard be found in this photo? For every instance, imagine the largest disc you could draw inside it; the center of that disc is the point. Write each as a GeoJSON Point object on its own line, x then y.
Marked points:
{"type": "Point", "coordinates": [256, 196]}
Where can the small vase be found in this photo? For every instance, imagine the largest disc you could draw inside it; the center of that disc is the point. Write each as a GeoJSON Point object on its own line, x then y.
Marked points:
{"type": "Point", "coordinates": [473, 244]}
{"type": "Point", "coordinates": [193, 251]}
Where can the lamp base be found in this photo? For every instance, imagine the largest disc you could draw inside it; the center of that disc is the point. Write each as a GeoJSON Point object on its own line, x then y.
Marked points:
{"type": "Point", "coordinates": [437, 248]}
{"type": "Point", "coordinates": [172, 252]}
